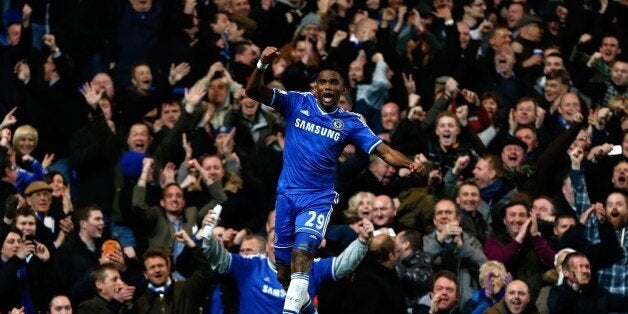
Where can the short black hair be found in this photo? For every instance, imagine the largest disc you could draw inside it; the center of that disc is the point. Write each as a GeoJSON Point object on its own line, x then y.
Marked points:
{"type": "Point", "coordinates": [559, 74]}
{"type": "Point", "coordinates": [564, 215]}
{"type": "Point", "coordinates": [517, 199]}
{"type": "Point", "coordinates": [413, 237]}
{"type": "Point", "coordinates": [331, 67]}
{"type": "Point", "coordinates": [448, 275]}
{"type": "Point", "coordinates": [84, 212]}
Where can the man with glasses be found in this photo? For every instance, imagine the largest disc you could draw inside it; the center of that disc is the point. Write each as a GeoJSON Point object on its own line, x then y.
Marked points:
{"type": "Point", "coordinates": [474, 16]}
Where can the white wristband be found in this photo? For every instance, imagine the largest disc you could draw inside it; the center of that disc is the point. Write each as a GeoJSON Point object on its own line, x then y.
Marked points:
{"type": "Point", "coordinates": [261, 66]}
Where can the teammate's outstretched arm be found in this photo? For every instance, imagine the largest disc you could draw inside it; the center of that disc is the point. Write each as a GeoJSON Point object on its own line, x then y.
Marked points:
{"type": "Point", "coordinates": [255, 88]}
{"type": "Point", "coordinates": [218, 257]}
{"type": "Point", "coordinates": [397, 159]}
{"type": "Point", "coordinates": [349, 259]}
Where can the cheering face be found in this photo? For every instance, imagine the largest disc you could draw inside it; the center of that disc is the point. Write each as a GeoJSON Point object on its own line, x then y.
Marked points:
{"type": "Point", "coordinates": [468, 198]}
{"type": "Point", "coordinates": [497, 279]}
{"type": "Point", "coordinates": [365, 208]}
{"type": "Point", "coordinates": [579, 270]}
{"type": "Point", "coordinates": [221, 24]}
{"type": "Point", "coordinates": [94, 225]}
{"type": "Point", "coordinates": [569, 107]}
{"type": "Point", "coordinates": [514, 14]}
{"type": "Point", "coordinates": [609, 49]}
{"type": "Point", "coordinates": [102, 83]}
{"type": "Point", "coordinates": [515, 217]}
{"type": "Point", "coordinates": [542, 208]}
{"type": "Point", "coordinates": [390, 116]}
{"type": "Point", "coordinates": [491, 106]}
{"type": "Point", "coordinates": [517, 297]}
{"type": "Point", "coordinates": [444, 213]}
{"type": "Point", "coordinates": [157, 270]}
{"type": "Point", "coordinates": [40, 201]}
{"type": "Point", "coordinates": [173, 201]}
{"type": "Point", "coordinates": [504, 60]}
{"type": "Point", "coordinates": [525, 113]}
{"type": "Point", "coordinates": [620, 175]}
{"type": "Point", "coordinates": [383, 213]}
{"type": "Point", "coordinates": [447, 131]}
{"type": "Point", "coordinates": [214, 167]}
{"type": "Point", "coordinates": [616, 212]}
{"type": "Point", "coordinates": [26, 224]}
{"type": "Point", "coordinates": [139, 138]}
{"type": "Point", "coordinates": [513, 155]}
{"type": "Point", "coordinates": [328, 88]}
{"type": "Point", "coordinates": [482, 173]}
{"type": "Point", "coordinates": [108, 286]}
{"type": "Point", "coordinates": [142, 78]}
{"type": "Point", "coordinates": [26, 145]}
{"type": "Point", "coordinates": [445, 290]}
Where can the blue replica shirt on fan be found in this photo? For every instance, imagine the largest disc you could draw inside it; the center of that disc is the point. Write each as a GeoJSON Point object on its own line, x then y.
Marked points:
{"type": "Point", "coordinates": [260, 291]}
{"type": "Point", "coordinates": [314, 141]}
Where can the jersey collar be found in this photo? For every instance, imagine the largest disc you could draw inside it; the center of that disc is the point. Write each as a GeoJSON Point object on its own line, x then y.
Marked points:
{"type": "Point", "coordinates": [322, 111]}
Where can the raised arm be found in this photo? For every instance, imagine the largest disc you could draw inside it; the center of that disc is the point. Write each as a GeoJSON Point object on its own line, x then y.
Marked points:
{"type": "Point", "coordinates": [255, 88]}
{"type": "Point", "coordinates": [349, 259]}
{"type": "Point", "coordinates": [397, 159]}
{"type": "Point", "coordinates": [218, 257]}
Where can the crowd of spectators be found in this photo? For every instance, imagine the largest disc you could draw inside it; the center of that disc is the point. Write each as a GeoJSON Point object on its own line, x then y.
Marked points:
{"type": "Point", "coordinates": [125, 123]}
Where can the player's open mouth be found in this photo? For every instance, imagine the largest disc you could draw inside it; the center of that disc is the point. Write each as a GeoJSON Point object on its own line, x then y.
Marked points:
{"type": "Point", "coordinates": [328, 98]}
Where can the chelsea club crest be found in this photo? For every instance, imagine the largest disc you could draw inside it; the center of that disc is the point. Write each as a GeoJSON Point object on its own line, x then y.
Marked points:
{"type": "Point", "coordinates": [338, 124]}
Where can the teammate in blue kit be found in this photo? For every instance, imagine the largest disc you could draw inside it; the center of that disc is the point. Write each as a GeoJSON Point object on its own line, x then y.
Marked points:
{"type": "Point", "coordinates": [259, 289]}
{"type": "Point", "coordinates": [317, 130]}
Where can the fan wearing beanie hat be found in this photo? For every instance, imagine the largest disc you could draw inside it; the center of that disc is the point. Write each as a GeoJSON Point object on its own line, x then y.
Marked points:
{"type": "Point", "coordinates": [513, 152]}
{"type": "Point", "coordinates": [309, 26]}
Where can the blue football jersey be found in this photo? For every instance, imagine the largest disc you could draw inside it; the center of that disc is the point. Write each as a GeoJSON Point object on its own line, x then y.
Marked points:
{"type": "Point", "coordinates": [260, 291]}
{"type": "Point", "coordinates": [314, 141]}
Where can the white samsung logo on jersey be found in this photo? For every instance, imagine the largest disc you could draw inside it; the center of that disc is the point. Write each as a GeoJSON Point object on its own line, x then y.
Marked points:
{"type": "Point", "coordinates": [278, 293]}
{"type": "Point", "coordinates": [317, 129]}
